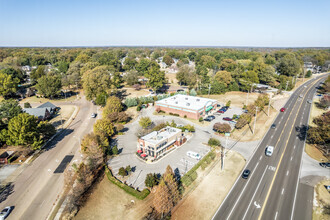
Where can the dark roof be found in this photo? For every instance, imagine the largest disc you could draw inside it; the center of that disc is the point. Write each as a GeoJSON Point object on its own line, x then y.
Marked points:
{"type": "Point", "coordinates": [6, 154]}
{"type": "Point", "coordinates": [38, 112]}
{"type": "Point", "coordinates": [48, 105]}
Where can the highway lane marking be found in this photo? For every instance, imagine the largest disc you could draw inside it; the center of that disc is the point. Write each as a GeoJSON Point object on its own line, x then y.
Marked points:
{"type": "Point", "coordinates": [272, 168]}
{"type": "Point", "coordinates": [272, 136]}
{"type": "Point", "coordinates": [291, 158]}
{"type": "Point", "coordinates": [260, 158]}
{"type": "Point", "coordinates": [255, 193]}
{"type": "Point", "coordinates": [294, 147]}
{"type": "Point", "coordinates": [287, 172]}
{"type": "Point", "coordinates": [242, 192]}
{"type": "Point", "coordinates": [276, 215]}
{"type": "Point", "coordinates": [280, 161]}
{"type": "Point", "coordinates": [282, 191]}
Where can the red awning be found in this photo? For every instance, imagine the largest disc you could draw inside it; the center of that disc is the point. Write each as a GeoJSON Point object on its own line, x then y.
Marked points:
{"type": "Point", "coordinates": [139, 151]}
{"type": "Point", "coordinates": [143, 155]}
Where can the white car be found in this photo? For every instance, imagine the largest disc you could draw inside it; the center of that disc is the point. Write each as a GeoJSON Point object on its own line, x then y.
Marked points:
{"type": "Point", "coordinates": [194, 155]}
{"type": "Point", "coordinates": [269, 150]}
{"type": "Point", "coordinates": [309, 101]}
{"type": "Point", "coordinates": [5, 212]}
{"type": "Point", "coordinates": [93, 115]}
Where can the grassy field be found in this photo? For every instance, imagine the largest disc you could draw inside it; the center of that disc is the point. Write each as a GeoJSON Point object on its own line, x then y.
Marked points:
{"type": "Point", "coordinates": [35, 99]}
{"type": "Point", "coordinates": [238, 99]}
{"type": "Point", "coordinates": [64, 115]}
{"type": "Point", "coordinates": [323, 198]}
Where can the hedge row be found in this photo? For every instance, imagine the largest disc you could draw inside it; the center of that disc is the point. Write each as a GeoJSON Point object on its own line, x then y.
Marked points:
{"type": "Point", "coordinates": [191, 175]}
{"type": "Point", "coordinates": [139, 195]}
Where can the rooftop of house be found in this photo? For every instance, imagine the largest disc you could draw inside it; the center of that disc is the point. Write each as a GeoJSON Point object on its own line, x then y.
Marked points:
{"type": "Point", "coordinates": [38, 112]}
{"type": "Point", "coordinates": [47, 105]}
{"type": "Point", "coordinates": [156, 137]}
{"type": "Point", "coordinates": [186, 101]}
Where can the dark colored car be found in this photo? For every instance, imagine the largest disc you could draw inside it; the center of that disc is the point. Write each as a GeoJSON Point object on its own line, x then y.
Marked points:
{"type": "Point", "coordinates": [221, 111]}
{"type": "Point", "coordinates": [246, 174]}
{"type": "Point", "coordinates": [273, 126]}
{"type": "Point", "coordinates": [325, 165]}
{"type": "Point", "coordinates": [227, 119]}
{"type": "Point", "coordinates": [209, 118]}
{"type": "Point", "coordinates": [282, 109]}
{"type": "Point", "coordinates": [218, 105]}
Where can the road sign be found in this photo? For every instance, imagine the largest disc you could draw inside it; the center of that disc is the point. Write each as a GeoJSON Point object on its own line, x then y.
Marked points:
{"type": "Point", "coordinates": [227, 134]}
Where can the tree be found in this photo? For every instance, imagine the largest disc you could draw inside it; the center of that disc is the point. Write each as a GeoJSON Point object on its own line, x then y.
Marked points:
{"type": "Point", "coordinates": [223, 76]}
{"type": "Point", "coordinates": [172, 185]}
{"type": "Point", "coordinates": [227, 64]}
{"type": "Point", "coordinates": [156, 78]}
{"type": "Point", "coordinates": [151, 180]}
{"type": "Point", "coordinates": [37, 73]}
{"type": "Point", "coordinates": [8, 84]}
{"type": "Point", "coordinates": [93, 149]}
{"type": "Point", "coordinates": [49, 86]}
{"type": "Point", "coordinates": [214, 142]}
{"type": "Point", "coordinates": [129, 63]}
{"type": "Point", "coordinates": [104, 127]}
{"type": "Point", "coordinates": [132, 78]}
{"type": "Point", "coordinates": [228, 104]}
{"type": "Point", "coordinates": [222, 127]}
{"type": "Point", "coordinates": [187, 75]}
{"type": "Point", "coordinates": [143, 66]}
{"type": "Point", "coordinates": [162, 200]}
{"type": "Point", "coordinates": [96, 81]}
{"type": "Point", "coordinates": [145, 122]}
{"type": "Point", "coordinates": [8, 110]}
{"type": "Point", "coordinates": [308, 74]}
{"type": "Point", "coordinates": [115, 150]}
{"type": "Point", "coordinates": [122, 172]}
{"type": "Point", "coordinates": [46, 130]}
{"type": "Point", "coordinates": [22, 130]}
{"type": "Point", "coordinates": [192, 92]}
{"type": "Point", "coordinates": [27, 105]}
{"type": "Point", "coordinates": [14, 73]}
{"type": "Point", "coordinates": [168, 60]}
{"type": "Point", "coordinates": [243, 120]}
{"type": "Point", "coordinates": [267, 75]}
{"type": "Point", "coordinates": [128, 169]}
{"type": "Point", "coordinates": [113, 105]}
{"type": "Point", "coordinates": [288, 65]}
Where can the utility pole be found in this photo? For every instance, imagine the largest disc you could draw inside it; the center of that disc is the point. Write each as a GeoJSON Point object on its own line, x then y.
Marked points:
{"type": "Point", "coordinates": [270, 97]}
{"type": "Point", "coordinates": [209, 89]}
{"type": "Point", "coordinates": [286, 87]}
{"type": "Point", "coordinates": [255, 120]}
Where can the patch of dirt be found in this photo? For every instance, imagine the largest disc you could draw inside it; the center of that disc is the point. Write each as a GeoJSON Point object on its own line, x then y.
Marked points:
{"type": "Point", "coordinates": [172, 78]}
{"type": "Point", "coordinates": [315, 153]}
{"type": "Point", "coordinates": [131, 92]}
{"type": "Point", "coordinates": [322, 196]}
{"type": "Point", "coordinates": [203, 202]}
{"type": "Point", "coordinates": [64, 115]}
{"type": "Point", "coordinates": [108, 201]}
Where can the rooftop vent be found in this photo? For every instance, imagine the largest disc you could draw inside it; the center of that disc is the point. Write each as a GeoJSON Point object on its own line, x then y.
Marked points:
{"type": "Point", "coordinates": [188, 104]}
{"type": "Point", "coordinates": [186, 98]}
{"type": "Point", "coordinates": [176, 102]}
{"type": "Point", "coordinates": [198, 100]}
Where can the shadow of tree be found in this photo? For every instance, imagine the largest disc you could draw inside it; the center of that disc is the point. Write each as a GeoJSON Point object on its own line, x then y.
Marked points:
{"type": "Point", "coordinates": [302, 132]}
{"type": "Point", "coordinates": [58, 138]}
{"type": "Point", "coordinates": [6, 191]}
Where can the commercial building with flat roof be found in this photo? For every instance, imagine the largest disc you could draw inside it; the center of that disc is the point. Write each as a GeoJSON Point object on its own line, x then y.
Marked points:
{"type": "Point", "coordinates": [184, 105]}
{"type": "Point", "coordinates": [156, 143]}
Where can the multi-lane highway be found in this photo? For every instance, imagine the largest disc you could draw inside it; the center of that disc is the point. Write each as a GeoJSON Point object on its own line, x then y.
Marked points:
{"type": "Point", "coordinates": [270, 192]}
{"type": "Point", "coordinates": [36, 190]}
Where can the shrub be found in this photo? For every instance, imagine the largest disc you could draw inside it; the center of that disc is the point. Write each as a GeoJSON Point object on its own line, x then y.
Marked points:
{"type": "Point", "coordinates": [130, 102]}
{"type": "Point", "coordinates": [137, 86]}
{"type": "Point", "coordinates": [221, 127]}
{"type": "Point", "coordinates": [159, 126]}
{"type": "Point", "coordinates": [122, 172]}
{"type": "Point", "coordinates": [114, 150]}
{"type": "Point", "coordinates": [228, 103]}
{"type": "Point", "coordinates": [200, 119]}
{"type": "Point", "coordinates": [185, 116]}
{"type": "Point", "coordinates": [190, 128]}
{"type": "Point", "coordinates": [138, 108]}
{"type": "Point", "coordinates": [213, 142]}
{"type": "Point", "coordinates": [145, 122]}
{"type": "Point", "coordinates": [27, 105]}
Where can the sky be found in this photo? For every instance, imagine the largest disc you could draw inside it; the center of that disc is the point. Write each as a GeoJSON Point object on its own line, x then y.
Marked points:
{"type": "Point", "coordinates": [253, 23]}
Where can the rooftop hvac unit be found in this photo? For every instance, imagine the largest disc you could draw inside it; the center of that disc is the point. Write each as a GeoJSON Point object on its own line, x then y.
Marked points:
{"type": "Point", "coordinates": [176, 102]}
{"type": "Point", "coordinates": [188, 104]}
{"type": "Point", "coordinates": [186, 98]}
{"type": "Point", "coordinates": [198, 100]}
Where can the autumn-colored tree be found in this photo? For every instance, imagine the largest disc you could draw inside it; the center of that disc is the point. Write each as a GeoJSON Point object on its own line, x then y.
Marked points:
{"type": "Point", "coordinates": [162, 199]}
{"type": "Point", "coordinates": [93, 150]}
{"type": "Point", "coordinates": [172, 185]}
{"type": "Point", "coordinates": [113, 105]}
{"type": "Point", "coordinates": [145, 122]}
{"type": "Point", "coordinates": [104, 127]}
{"type": "Point", "coordinates": [168, 60]}
{"type": "Point", "coordinates": [221, 127]}
{"type": "Point", "coordinates": [243, 120]}
{"type": "Point", "coordinates": [223, 76]}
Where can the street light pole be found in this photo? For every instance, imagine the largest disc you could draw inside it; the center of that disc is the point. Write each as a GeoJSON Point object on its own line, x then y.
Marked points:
{"type": "Point", "coordinates": [255, 120]}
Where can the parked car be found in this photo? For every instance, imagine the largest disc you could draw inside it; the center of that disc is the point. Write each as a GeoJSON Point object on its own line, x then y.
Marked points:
{"type": "Point", "coordinates": [273, 126]}
{"type": "Point", "coordinates": [246, 174]}
{"type": "Point", "coordinates": [218, 105]}
{"type": "Point", "coordinates": [93, 115]}
{"type": "Point", "coordinates": [220, 111]}
{"type": "Point", "coordinates": [209, 118]}
{"type": "Point", "coordinates": [325, 165]}
{"type": "Point", "coordinates": [309, 101]}
{"type": "Point", "coordinates": [227, 119]}
{"type": "Point", "coordinates": [282, 109]}
{"type": "Point", "coordinates": [300, 96]}
{"type": "Point", "coordinates": [5, 212]}
{"type": "Point", "coordinates": [194, 155]}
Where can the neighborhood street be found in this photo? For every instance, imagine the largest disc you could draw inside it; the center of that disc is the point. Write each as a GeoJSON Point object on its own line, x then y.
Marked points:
{"type": "Point", "coordinates": [37, 188]}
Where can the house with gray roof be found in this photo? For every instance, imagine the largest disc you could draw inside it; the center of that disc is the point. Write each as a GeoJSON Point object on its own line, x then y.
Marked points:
{"type": "Point", "coordinates": [50, 107]}
{"type": "Point", "coordinates": [40, 113]}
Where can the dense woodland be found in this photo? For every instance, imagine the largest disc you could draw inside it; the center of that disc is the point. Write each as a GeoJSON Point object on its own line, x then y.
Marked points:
{"type": "Point", "coordinates": [102, 71]}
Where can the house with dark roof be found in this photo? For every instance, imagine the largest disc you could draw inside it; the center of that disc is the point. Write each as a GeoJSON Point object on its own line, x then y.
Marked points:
{"type": "Point", "coordinates": [43, 112]}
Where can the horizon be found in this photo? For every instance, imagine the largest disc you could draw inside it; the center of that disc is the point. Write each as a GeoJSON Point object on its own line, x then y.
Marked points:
{"type": "Point", "coordinates": [277, 24]}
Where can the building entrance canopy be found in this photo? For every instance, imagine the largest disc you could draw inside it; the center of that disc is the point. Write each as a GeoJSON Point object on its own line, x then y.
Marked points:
{"type": "Point", "coordinates": [209, 108]}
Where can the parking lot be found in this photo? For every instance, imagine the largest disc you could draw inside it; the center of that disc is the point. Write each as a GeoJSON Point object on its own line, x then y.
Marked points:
{"type": "Point", "coordinates": [229, 113]}
{"type": "Point", "coordinates": [177, 159]}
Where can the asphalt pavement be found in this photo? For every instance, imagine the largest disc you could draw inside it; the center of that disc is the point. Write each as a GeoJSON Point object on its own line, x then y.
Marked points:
{"type": "Point", "coordinates": [270, 192]}
{"type": "Point", "coordinates": [36, 190]}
